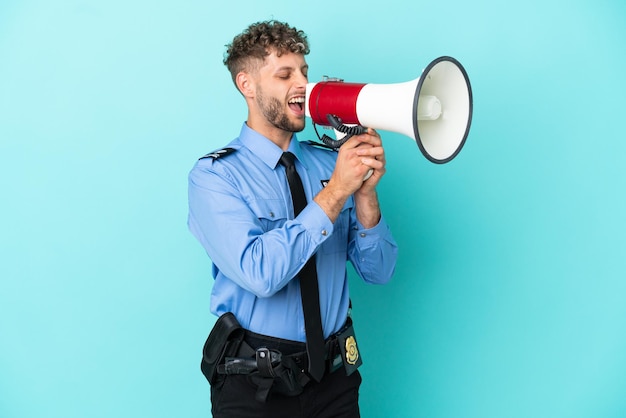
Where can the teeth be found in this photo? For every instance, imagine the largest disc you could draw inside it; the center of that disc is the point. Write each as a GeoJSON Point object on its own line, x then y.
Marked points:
{"type": "Point", "coordinates": [297, 100]}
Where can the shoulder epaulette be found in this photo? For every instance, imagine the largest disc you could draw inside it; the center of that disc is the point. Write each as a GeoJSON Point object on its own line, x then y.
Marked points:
{"type": "Point", "coordinates": [219, 153]}
{"type": "Point", "coordinates": [320, 145]}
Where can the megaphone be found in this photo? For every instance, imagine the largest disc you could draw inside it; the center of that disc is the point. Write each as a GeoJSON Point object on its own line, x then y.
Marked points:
{"type": "Point", "coordinates": [435, 110]}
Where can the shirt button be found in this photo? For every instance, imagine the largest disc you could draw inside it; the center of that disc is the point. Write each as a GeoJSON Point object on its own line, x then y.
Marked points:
{"type": "Point", "coordinates": [271, 214]}
{"type": "Point", "coordinates": [324, 232]}
{"type": "Point", "coordinates": [362, 234]}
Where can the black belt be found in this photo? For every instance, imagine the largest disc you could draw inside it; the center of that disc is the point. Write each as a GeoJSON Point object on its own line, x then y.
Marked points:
{"type": "Point", "coordinates": [294, 349]}
{"type": "Point", "coordinates": [278, 364]}
{"type": "Point", "coordinates": [259, 352]}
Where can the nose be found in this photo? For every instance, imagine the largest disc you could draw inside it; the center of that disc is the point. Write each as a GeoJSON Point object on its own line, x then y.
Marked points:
{"type": "Point", "coordinates": [302, 79]}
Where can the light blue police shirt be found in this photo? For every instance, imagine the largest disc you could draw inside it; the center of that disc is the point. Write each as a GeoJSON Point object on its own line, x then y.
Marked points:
{"type": "Point", "coordinates": [240, 210]}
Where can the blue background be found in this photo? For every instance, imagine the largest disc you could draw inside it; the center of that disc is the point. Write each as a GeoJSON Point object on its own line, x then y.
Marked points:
{"type": "Point", "coordinates": [508, 299]}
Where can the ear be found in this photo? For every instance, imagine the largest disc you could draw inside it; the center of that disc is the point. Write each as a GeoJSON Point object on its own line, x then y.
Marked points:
{"type": "Point", "coordinates": [245, 84]}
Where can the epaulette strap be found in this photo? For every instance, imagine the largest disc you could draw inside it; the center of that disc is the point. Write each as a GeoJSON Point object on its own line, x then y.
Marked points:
{"type": "Point", "coordinates": [219, 153]}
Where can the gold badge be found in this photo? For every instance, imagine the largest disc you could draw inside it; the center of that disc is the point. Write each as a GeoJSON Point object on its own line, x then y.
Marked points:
{"type": "Point", "coordinates": [352, 352]}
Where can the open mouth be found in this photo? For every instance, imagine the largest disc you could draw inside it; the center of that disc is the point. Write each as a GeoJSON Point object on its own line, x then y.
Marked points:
{"type": "Point", "coordinates": [297, 104]}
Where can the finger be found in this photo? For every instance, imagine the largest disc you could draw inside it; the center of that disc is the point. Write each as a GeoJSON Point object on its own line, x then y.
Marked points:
{"type": "Point", "coordinates": [353, 142]}
{"type": "Point", "coordinates": [372, 163]}
{"type": "Point", "coordinates": [373, 133]}
{"type": "Point", "coordinates": [376, 152]}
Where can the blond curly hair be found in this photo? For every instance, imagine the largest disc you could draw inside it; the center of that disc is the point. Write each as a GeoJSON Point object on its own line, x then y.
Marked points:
{"type": "Point", "coordinates": [260, 39]}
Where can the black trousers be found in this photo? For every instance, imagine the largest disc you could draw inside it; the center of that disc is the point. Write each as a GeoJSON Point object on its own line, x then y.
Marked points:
{"type": "Point", "coordinates": [337, 396]}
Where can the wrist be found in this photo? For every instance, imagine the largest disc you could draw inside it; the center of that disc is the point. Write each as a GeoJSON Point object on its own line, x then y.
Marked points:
{"type": "Point", "coordinates": [367, 208]}
{"type": "Point", "coordinates": [331, 199]}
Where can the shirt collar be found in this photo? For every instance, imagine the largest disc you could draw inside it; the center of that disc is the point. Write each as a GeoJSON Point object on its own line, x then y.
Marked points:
{"type": "Point", "coordinates": [265, 149]}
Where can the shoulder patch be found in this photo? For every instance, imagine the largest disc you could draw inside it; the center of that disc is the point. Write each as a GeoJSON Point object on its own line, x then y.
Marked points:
{"type": "Point", "coordinates": [219, 153]}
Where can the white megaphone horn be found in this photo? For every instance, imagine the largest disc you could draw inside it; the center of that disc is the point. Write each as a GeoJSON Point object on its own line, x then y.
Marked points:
{"type": "Point", "coordinates": [435, 110]}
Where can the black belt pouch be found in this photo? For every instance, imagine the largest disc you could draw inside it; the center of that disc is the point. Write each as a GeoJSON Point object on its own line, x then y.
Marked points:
{"type": "Point", "coordinates": [223, 341]}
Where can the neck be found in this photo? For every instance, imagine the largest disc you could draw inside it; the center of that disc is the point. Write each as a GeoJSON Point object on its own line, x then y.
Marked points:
{"type": "Point", "coordinates": [278, 136]}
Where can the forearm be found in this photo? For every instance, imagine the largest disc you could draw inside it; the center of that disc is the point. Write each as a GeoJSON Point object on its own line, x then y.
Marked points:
{"type": "Point", "coordinates": [332, 200]}
{"type": "Point", "coordinates": [367, 208]}
{"type": "Point", "coordinates": [333, 197]}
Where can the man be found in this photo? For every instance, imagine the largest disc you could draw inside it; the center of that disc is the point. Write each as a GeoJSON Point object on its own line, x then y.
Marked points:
{"type": "Point", "coordinates": [241, 210]}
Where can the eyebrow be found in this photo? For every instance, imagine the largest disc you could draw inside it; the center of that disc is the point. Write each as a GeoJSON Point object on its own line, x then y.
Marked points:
{"type": "Point", "coordinates": [289, 68]}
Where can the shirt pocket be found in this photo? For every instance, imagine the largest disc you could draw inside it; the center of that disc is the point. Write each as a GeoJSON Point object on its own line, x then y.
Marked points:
{"type": "Point", "coordinates": [271, 213]}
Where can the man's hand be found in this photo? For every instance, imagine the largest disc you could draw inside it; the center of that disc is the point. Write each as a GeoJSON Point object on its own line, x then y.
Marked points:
{"type": "Point", "coordinates": [365, 198]}
{"type": "Point", "coordinates": [372, 155]}
{"type": "Point", "coordinates": [355, 159]}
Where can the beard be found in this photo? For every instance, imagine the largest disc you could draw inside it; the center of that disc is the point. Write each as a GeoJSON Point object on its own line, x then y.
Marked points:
{"type": "Point", "coordinates": [273, 111]}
